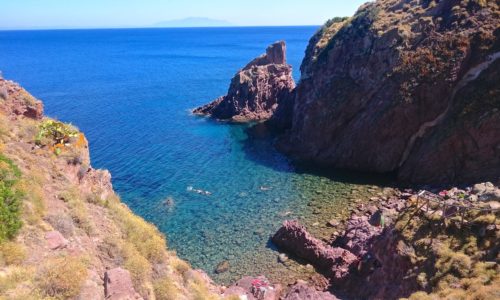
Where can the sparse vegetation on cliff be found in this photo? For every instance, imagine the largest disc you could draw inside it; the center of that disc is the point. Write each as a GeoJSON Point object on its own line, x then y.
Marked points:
{"type": "Point", "coordinates": [74, 226]}
{"type": "Point", "coordinates": [10, 199]}
{"type": "Point", "coordinates": [453, 258]}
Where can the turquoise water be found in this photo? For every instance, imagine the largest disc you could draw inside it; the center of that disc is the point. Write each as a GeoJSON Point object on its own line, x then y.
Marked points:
{"type": "Point", "coordinates": [130, 91]}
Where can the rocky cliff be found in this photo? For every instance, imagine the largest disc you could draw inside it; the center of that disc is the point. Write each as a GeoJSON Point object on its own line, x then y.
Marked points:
{"type": "Point", "coordinates": [64, 233]}
{"type": "Point", "coordinates": [403, 86]}
{"type": "Point", "coordinates": [401, 245]}
{"type": "Point", "coordinates": [254, 91]}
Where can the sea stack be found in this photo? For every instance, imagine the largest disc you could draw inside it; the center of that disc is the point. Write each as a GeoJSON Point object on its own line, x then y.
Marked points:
{"type": "Point", "coordinates": [255, 90]}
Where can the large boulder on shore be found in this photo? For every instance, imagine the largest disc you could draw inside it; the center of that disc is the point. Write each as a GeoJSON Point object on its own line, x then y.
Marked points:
{"type": "Point", "coordinates": [255, 90]}
{"type": "Point", "coordinates": [294, 238]}
{"type": "Point", "coordinates": [405, 87]}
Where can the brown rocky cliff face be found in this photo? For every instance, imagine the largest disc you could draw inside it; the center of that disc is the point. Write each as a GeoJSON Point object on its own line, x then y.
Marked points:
{"type": "Point", "coordinates": [255, 90]}
{"type": "Point", "coordinates": [17, 102]}
{"type": "Point", "coordinates": [404, 86]}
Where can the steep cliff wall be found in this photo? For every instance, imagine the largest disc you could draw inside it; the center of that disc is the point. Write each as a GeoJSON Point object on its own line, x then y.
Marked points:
{"type": "Point", "coordinates": [64, 234]}
{"type": "Point", "coordinates": [403, 86]}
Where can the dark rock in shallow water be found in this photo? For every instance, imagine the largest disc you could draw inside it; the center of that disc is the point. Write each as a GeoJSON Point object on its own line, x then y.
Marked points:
{"type": "Point", "coordinates": [222, 267]}
{"type": "Point", "coordinates": [255, 90]}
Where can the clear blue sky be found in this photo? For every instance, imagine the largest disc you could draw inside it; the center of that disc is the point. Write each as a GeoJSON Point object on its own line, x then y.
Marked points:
{"type": "Point", "coordinates": [25, 14]}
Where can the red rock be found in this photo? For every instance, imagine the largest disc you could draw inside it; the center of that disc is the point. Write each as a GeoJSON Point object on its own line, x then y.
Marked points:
{"type": "Point", "coordinates": [358, 236]}
{"type": "Point", "coordinates": [413, 97]}
{"type": "Point", "coordinates": [118, 285]}
{"type": "Point", "coordinates": [254, 288]}
{"type": "Point", "coordinates": [294, 238]}
{"type": "Point", "coordinates": [301, 291]}
{"type": "Point", "coordinates": [18, 102]}
{"type": "Point", "coordinates": [55, 240]}
{"type": "Point", "coordinates": [255, 90]}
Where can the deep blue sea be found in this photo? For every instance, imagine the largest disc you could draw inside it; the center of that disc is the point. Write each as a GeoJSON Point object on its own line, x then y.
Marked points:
{"type": "Point", "coordinates": [130, 91]}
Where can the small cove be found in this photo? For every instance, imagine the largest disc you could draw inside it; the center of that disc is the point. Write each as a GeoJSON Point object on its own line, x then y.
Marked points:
{"type": "Point", "coordinates": [130, 91]}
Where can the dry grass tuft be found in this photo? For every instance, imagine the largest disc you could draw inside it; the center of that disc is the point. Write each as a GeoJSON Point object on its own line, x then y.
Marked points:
{"type": "Point", "coordinates": [146, 238]}
{"type": "Point", "coordinates": [12, 253]}
{"type": "Point", "coordinates": [166, 289]}
{"type": "Point", "coordinates": [62, 277]}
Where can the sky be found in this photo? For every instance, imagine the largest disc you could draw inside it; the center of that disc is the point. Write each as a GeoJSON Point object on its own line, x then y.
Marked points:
{"type": "Point", "coordinates": [38, 14]}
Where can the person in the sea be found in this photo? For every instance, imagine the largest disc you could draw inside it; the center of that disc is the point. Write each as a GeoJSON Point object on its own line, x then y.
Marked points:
{"type": "Point", "coordinates": [169, 202]}
{"type": "Point", "coordinates": [198, 191]}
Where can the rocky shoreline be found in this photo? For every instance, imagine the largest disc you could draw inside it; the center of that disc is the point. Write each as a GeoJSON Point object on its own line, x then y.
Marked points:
{"type": "Point", "coordinates": [370, 259]}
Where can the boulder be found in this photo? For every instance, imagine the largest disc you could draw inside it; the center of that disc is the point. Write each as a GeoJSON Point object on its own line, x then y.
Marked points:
{"type": "Point", "coordinates": [359, 235]}
{"type": "Point", "coordinates": [118, 285]}
{"type": "Point", "coordinates": [294, 238]}
{"type": "Point", "coordinates": [254, 288]}
{"type": "Point", "coordinates": [301, 291]}
{"type": "Point", "coordinates": [222, 267]}
{"type": "Point", "coordinates": [255, 90]}
{"type": "Point", "coordinates": [55, 240]}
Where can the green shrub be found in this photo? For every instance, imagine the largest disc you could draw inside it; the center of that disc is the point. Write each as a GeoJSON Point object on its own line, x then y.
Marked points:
{"type": "Point", "coordinates": [55, 134]}
{"type": "Point", "coordinates": [10, 199]}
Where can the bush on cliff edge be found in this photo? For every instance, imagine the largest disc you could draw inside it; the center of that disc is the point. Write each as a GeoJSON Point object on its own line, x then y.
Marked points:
{"type": "Point", "coordinates": [10, 199]}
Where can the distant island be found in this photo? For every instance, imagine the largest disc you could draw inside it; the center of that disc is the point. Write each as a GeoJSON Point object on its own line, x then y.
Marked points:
{"type": "Point", "coordinates": [193, 22]}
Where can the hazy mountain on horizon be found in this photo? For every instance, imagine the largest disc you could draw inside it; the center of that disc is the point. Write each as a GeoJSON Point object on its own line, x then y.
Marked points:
{"type": "Point", "coordinates": [193, 22]}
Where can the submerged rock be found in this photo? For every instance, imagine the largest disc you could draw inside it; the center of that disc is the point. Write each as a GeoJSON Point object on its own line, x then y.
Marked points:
{"type": "Point", "coordinates": [222, 267]}
{"type": "Point", "coordinates": [255, 90]}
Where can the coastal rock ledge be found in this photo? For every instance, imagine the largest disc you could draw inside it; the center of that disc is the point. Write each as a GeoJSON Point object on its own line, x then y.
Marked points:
{"type": "Point", "coordinates": [255, 90]}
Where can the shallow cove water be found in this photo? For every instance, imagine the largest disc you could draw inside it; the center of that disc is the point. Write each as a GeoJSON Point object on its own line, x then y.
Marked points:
{"type": "Point", "coordinates": [130, 91]}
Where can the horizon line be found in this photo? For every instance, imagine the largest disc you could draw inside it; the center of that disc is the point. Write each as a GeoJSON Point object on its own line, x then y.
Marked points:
{"type": "Point", "coordinates": [151, 27]}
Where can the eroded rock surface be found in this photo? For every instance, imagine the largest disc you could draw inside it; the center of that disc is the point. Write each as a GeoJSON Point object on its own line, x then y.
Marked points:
{"type": "Point", "coordinates": [403, 86]}
{"type": "Point", "coordinates": [302, 291]}
{"type": "Point", "coordinates": [118, 285]}
{"type": "Point", "coordinates": [335, 261]}
{"type": "Point", "coordinates": [17, 102]}
{"type": "Point", "coordinates": [255, 90]}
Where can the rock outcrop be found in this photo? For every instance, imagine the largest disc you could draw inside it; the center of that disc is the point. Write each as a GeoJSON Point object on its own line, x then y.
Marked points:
{"type": "Point", "coordinates": [255, 90]}
{"type": "Point", "coordinates": [118, 285]}
{"type": "Point", "coordinates": [301, 291]}
{"type": "Point", "coordinates": [294, 238]}
{"type": "Point", "coordinates": [421, 246]}
{"type": "Point", "coordinates": [409, 87]}
{"type": "Point", "coordinates": [254, 288]}
{"type": "Point", "coordinates": [17, 102]}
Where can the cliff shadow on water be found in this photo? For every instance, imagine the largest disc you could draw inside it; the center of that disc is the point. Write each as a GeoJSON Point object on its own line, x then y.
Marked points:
{"type": "Point", "coordinates": [259, 147]}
